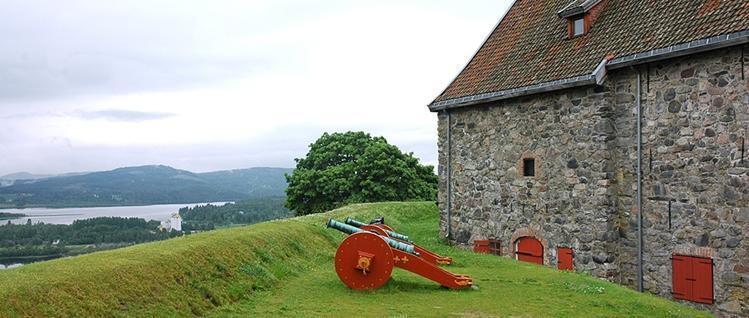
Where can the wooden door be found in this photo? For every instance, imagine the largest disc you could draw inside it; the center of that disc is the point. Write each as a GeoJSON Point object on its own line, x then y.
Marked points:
{"type": "Point", "coordinates": [565, 259]}
{"type": "Point", "coordinates": [529, 249]}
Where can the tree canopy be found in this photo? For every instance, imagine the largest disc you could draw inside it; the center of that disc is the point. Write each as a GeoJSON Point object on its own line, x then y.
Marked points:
{"type": "Point", "coordinates": [249, 211]}
{"type": "Point", "coordinates": [354, 167]}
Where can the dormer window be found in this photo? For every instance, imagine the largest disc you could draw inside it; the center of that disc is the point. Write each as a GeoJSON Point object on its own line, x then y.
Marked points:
{"type": "Point", "coordinates": [580, 15]}
{"type": "Point", "coordinates": [578, 26]}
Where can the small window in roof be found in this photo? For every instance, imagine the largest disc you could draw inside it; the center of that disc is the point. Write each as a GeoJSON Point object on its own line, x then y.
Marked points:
{"type": "Point", "coordinates": [578, 26]}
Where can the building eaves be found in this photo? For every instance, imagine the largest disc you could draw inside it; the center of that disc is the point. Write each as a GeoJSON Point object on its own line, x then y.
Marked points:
{"type": "Point", "coordinates": [682, 49]}
{"type": "Point", "coordinates": [514, 92]}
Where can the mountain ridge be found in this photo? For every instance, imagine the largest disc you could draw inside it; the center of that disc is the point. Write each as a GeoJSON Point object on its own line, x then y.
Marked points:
{"type": "Point", "coordinates": [150, 184]}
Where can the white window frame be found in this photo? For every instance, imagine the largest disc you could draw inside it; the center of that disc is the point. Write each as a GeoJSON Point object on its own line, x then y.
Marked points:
{"type": "Point", "coordinates": [578, 26]}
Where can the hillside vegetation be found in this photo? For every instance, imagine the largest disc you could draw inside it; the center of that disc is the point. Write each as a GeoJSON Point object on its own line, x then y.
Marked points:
{"type": "Point", "coordinates": [242, 212]}
{"type": "Point", "coordinates": [284, 268]}
{"type": "Point", "coordinates": [144, 185]}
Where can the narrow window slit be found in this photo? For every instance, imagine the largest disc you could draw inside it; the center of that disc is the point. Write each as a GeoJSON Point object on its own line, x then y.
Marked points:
{"type": "Point", "coordinates": [669, 214]}
{"type": "Point", "coordinates": [650, 165]}
{"type": "Point", "coordinates": [529, 167]}
{"type": "Point", "coordinates": [743, 75]}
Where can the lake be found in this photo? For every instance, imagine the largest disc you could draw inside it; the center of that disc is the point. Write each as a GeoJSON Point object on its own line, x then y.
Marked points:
{"type": "Point", "coordinates": [68, 215]}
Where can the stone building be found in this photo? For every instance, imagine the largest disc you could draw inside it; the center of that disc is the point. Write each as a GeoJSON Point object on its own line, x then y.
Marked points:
{"type": "Point", "coordinates": [542, 133]}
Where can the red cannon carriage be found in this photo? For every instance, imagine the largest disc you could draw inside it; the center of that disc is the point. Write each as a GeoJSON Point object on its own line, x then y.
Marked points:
{"type": "Point", "coordinates": [365, 260]}
{"type": "Point", "coordinates": [378, 226]}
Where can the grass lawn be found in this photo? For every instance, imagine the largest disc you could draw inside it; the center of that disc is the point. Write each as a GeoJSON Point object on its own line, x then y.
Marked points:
{"type": "Point", "coordinates": [284, 268]}
{"type": "Point", "coordinates": [506, 288]}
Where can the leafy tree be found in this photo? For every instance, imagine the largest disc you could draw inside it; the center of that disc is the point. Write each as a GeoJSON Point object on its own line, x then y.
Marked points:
{"type": "Point", "coordinates": [354, 167]}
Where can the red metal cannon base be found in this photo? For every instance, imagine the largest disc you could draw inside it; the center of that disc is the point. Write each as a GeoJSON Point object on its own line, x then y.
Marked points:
{"type": "Point", "coordinates": [364, 260]}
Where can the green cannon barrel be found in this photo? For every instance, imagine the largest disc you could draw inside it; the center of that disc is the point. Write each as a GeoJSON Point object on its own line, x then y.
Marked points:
{"type": "Point", "coordinates": [392, 234]}
{"type": "Point", "coordinates": [348, 229]}
{"type": "Point", "coordinates": [353, 222]}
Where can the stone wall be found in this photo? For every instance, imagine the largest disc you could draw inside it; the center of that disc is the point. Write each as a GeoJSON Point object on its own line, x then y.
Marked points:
{"type": "Point", "coordinates": [696, 110]}
{"type": "Point", "coordinates": [568, 203]}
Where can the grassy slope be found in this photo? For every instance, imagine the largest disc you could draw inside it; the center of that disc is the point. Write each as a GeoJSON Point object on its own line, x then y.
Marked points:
{"type": "Point", "coordinates": [284, 268]}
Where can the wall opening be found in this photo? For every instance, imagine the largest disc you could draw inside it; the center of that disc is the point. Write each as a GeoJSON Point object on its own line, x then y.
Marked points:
{"type": "Point", "coordinates": [529, 167]}
{"type": "Point", "coordinates": [493, 247]}
{"type": "Point", "coordinates": [565, 259]}
{"type": "Point", "coordinates": [692, 278]}
{"type": "Point", "coordinates": [529, 249]}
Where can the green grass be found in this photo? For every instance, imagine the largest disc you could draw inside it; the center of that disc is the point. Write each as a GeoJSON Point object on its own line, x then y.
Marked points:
{"type": "Point", "coordinates": [284, 268]}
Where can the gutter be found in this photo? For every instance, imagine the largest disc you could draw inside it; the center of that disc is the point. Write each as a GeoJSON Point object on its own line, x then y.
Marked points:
{"type": "Point", "coordinates": [688, 48]}
{"type": "Point", "coordinates": [640, 286]}
{"type": "Point", "coordinates": [598, 75]}
{"type": "Point", "coordinates": [449, 175]}
{"type": "Point", "coordinates": [583, 80]}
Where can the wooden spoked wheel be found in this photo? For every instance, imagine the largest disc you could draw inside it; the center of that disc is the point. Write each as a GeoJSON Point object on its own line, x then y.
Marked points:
{"type": "Point", "coordinates": [364, 261]}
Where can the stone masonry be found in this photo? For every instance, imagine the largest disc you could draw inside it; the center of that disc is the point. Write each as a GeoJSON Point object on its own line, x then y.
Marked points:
{"type": "Point", "coordinates": [695, 118]}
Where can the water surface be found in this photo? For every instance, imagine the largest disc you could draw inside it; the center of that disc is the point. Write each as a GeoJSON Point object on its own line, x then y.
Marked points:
{"type": "Point", "coordinates": [68, 215]}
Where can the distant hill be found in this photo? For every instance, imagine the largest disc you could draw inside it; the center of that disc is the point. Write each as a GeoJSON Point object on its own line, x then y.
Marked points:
{"type": "Point", "coordinates": [144, 185]}
{"type": "Point", "coordinates": [10, 179]}
{"type": "Point", "coordinates": [24, 176]}
{"type": "Point", "coordinates": [253, 182]}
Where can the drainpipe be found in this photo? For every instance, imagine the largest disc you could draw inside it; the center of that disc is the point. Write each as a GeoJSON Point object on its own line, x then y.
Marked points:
{"type": "Point", "coordinates": [639, 183]}
{"type": "Point", "coordinates": [449, 174]}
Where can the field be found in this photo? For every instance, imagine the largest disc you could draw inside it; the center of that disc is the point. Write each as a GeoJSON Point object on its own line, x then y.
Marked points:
{"type": "Point", "coordinates": [284, 268]}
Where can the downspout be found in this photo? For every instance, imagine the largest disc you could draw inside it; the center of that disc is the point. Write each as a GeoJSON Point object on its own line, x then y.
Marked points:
{"type": "Point", "coordinates": [449, 174]}
{"type": "Point", "coordinates": [639, 183]}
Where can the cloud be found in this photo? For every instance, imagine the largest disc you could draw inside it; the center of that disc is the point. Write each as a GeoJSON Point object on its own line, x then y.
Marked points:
{"type": "Point", "coordinates": [91, 85]}
{"type": "Point", "coordinates": [97, 48]}
{"type": "Point", "coordinates": [123, 115]}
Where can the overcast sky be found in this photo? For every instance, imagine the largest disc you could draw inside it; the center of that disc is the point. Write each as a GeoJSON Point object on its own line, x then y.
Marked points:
{"type": "Point", "coordinates": [213, 85]}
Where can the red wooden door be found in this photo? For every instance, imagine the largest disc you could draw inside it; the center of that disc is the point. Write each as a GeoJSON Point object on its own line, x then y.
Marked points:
{"type": "Point", "coordinates": [681, 269]}
{"type": "Point", "coordinates": [565, 259]}
{"type": "Point", "coordinates": [529, 249]}
{"type": "Point", "coordinates": [702, 271]}
{"type": "Point", "coordinates": [692, 278]}
{"type": "Point", "coordinates": [481, 246]}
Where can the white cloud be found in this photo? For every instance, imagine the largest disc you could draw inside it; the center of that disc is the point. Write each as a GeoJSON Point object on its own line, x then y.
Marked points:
{"type": "Point", "coordinates": [227, 84]}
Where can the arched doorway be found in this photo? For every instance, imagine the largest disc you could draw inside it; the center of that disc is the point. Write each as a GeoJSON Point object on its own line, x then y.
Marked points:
{"type": "Point", "coordinates": [529, 249]}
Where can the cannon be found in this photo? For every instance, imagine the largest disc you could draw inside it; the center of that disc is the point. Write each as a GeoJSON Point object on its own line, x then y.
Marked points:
{"type": "Point", "coordinates": [387, 229]}
{"type": "Point", "coordinates": [365, 260]}
{"type": "Point", "coordinates": [384, 230]}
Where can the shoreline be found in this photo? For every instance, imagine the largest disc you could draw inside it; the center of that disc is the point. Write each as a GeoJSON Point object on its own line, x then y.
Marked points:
{"type": "Point", "coordinates": [74, 206]}
{"type": "Point", "coordinates": [11, 216]}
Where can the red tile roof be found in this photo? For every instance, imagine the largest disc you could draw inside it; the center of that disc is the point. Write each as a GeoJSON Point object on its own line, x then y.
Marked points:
{"type": "Point", "coordinates": [530, 44]}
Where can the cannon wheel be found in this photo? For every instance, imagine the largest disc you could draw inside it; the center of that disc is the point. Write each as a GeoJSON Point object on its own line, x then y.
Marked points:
{"type": "Point", "coordinates": [375, 229]}
{"type": "Point", "coordinates": [384, 227]}
{"type": "Point", "coordinates": [348, 254]}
